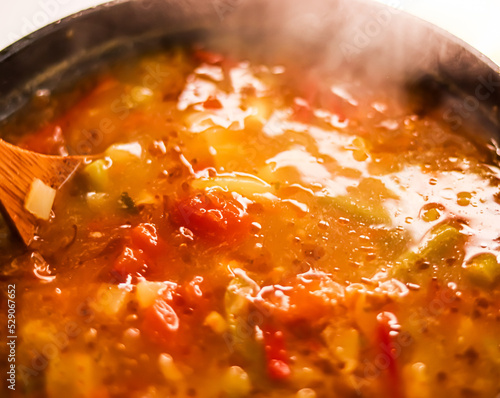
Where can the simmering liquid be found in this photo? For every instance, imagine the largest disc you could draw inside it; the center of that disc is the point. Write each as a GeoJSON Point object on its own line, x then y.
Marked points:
{"type": "Point", "coordinates": [249, 230]}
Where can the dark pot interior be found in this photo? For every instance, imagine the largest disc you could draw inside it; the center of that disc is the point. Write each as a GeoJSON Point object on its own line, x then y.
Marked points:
{"type": "Point", "coordinates": [378, 44]}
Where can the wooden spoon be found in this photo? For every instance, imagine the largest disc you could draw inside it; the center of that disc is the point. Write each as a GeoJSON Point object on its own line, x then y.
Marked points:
{"type": "Point", "coordinates": [22, 171]}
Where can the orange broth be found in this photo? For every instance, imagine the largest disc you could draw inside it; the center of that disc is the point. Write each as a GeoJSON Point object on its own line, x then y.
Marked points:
{"type": "Point", "coordinates": [248, 231]}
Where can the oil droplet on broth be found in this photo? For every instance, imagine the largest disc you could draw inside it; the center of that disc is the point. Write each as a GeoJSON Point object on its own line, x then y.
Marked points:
{"type": "Point", "coordinates": [464, 198]}
{"type": "Point", "coordinates": [429, 215]}
{"type": "Point", "coordinates": [431, 212]}
{"type": "Point", "coordinates": [447, 193]}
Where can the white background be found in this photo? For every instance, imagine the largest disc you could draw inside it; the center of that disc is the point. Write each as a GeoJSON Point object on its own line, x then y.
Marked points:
{"type": "Point", "coordinates": [475, 21]}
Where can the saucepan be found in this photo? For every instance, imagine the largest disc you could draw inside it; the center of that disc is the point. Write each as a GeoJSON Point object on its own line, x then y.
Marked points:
{"type": "Point", "coordinates": [375, 46]}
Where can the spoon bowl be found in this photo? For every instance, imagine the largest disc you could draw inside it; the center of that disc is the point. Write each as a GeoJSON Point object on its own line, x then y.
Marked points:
{"type": "Point", "coordinates": [28, 184]}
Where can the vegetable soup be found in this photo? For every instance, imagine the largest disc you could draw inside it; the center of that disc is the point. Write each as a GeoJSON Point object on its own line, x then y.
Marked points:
{"type": "Point", "coordinates": [251, 230]}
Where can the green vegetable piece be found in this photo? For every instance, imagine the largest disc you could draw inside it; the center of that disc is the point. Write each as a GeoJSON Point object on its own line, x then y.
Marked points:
{"type": "Point", "coordinates": [241, 319]}
{"type": "Point", "coordinates": [442, 244]}
{"type": "Point", "coordinates": [444, 238]}
{"type": "Point", "coordinates": [98, 175]}
{"type": "Point", "coordinates": [483, 270]}
{"type": "Point", "coordinates": [237, 298]}
{"type": "Point", "coordinates": [363, 212]}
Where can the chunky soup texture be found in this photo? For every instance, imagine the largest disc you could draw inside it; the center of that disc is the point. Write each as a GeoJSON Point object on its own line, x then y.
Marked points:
{"type": "Point", "coordinates": [248, 230]}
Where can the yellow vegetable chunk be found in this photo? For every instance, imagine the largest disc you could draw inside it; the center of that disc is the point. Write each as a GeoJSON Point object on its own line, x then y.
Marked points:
{"type": "Point", "coordinates": [244, 184]}
{"type": "Point", "coordinates": [236, 382]}
{"type": "Point", "coordinates": [483, 269]}
{"type": "Point", "coordinates": [216, 322]}
{"type": "Point", "coordinates": [169, 369]}
{"type": "Point", "coordinates": [110, 300]}
{"type": "Point", "coordinates": [72, 375]}
{"type": "Point", "coordinates": [40, 199]}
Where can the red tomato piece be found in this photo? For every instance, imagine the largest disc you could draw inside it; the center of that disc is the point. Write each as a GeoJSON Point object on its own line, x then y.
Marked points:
{"type": "Point", "coordinates": [302, 112]}
{"type": "Point", "coordinates": [315, 93]}
{"type": "Point", "coordinates": [50, 141]}
{"type": "Point", "coordinates": [212, 217]}
{"type": "Point", "coordinates": [277, 357]}
{"type": "Point", "coordinates": [130, 262]}
{"type": "Point", "coordinates": [155, 250]}
{"type": "Point", "coordinates": [160, 321]}
{"type": "Point", "coordinates": [192, 290]}
{"type": "Point", "coordinates": [303, 299]}
{"type": "Point", "coordinates": [208, 57]}
{"type": "Point", "coordinates": [386, 323]}
{"type": "Point", "coordinates": [278, 370]}
{"type": "Point", "coordinates": [145, 237]}
{"type": "Point", "coordinates": [212, 103]}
